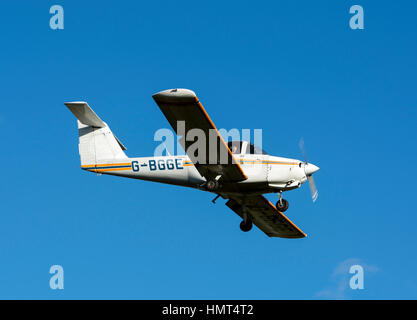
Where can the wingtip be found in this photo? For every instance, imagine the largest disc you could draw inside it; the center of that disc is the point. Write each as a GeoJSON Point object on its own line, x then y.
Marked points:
{"type": "Point", "coordinates": [174, 95]}
{"type": "Point", "coordinates": [74, 103]}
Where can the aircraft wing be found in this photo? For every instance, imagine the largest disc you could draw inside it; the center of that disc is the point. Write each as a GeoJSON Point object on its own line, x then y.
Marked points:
{"type": "Point", "coordinates": [266, 217]}
{"type": "Point", "coordinates": [183, 105]}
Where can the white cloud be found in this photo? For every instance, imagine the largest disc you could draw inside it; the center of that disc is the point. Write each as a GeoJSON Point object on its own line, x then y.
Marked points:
{"type": "Point", "coordinates": [339, 279]}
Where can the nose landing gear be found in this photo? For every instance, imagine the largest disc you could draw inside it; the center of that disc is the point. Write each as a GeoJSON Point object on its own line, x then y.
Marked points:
{"type": "Point", "coordinates": [282, 204]}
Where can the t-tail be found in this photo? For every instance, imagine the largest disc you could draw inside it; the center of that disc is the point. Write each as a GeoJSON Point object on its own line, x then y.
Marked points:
{"type": "Point", "coordinates": [97, 144]}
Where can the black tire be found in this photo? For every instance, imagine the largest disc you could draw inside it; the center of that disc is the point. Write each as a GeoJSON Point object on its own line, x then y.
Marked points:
{"type": "Point", "coordinates": [212, 185]}
{"type": "Point", "coordinates": [282, 207]}
{"type": "Point", "coordinates": [246, 226]}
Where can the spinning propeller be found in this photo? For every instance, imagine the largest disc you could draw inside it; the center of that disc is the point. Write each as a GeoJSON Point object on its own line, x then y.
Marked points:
{"type": "Point", "coordinates": [309, 169]}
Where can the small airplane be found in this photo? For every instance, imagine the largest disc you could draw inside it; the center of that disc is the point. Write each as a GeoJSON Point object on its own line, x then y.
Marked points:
{"type": "Point", "coordinates": [248, 173]}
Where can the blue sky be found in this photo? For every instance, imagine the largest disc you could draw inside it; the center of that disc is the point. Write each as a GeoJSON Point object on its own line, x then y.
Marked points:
{"type": "Point", "coordinates": [291, 68]}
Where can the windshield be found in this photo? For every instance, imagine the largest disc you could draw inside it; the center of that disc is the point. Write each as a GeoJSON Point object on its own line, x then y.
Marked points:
{"type": "Point", "coordinates": [255, 150]}
{"type": "Point", "coordinates": [236, 148]}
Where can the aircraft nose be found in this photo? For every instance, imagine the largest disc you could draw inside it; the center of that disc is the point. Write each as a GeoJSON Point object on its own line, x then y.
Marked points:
{"type": "Point", "coordinates": [310, 169]}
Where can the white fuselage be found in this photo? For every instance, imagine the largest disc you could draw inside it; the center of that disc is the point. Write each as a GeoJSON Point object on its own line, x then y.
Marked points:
{"type": "Point", "coordinates": [264, 173]}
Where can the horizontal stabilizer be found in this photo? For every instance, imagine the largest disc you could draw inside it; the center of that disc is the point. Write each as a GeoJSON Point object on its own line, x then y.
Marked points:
{"type": "Point", "coordinates": [85, 114]}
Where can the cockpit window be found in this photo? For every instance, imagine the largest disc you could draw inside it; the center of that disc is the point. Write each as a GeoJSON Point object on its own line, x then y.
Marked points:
{"type": "Point", "coordinates": [235, 146]}
{"type": "Point", "coordinates": [255, 150]}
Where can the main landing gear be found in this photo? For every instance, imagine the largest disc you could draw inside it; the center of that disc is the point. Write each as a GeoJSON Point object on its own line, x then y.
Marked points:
{"type": "Point", "coordinates": [246, 224]}
{"type": "Point", "coordinates": [212, 185]}
{"type": "Point", "coordinates": [282, 204]}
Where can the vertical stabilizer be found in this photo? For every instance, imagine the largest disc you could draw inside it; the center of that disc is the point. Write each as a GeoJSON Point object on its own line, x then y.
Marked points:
{"type": "Point", "coordinates": [97, 143]}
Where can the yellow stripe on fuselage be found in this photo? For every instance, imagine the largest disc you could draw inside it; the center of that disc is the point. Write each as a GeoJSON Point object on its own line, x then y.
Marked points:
{"type": "Point", "coordinates": [112, 169]}
{"type": "Point", "coordinates": [267, 162]}
{"type": "Point", "coordinates": [92, 167]}
{"type": "Point", "coordinates": [106, 165]}
{"type": "Point", "coordinates": [186, 164]}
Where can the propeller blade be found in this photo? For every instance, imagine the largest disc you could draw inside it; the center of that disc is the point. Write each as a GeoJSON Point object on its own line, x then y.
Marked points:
{"type": "Point", "coordinates": [313, 189]}
{"type": "Point", "coordinates": [303, 149]}
{"type": "Point", "coordinates": [309, 169]}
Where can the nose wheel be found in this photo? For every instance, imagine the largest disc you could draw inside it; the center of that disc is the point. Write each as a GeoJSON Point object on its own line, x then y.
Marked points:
{"type": "Point", "coordinates": [282, 204]}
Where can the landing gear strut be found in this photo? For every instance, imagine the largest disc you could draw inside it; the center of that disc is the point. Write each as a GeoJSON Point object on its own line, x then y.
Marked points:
{"type": "Point", "coordinates": [282, 204]}
{"type": "Point", "coordinates": [246, 223]}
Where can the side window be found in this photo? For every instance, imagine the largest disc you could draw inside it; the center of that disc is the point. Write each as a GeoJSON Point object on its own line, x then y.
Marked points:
{"type": "Point", "coordinates": [235, 146]}
{"type": "Point", "coordinates": [255, 150]}
{"type": "Point", "coordinates": [259, 151]}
